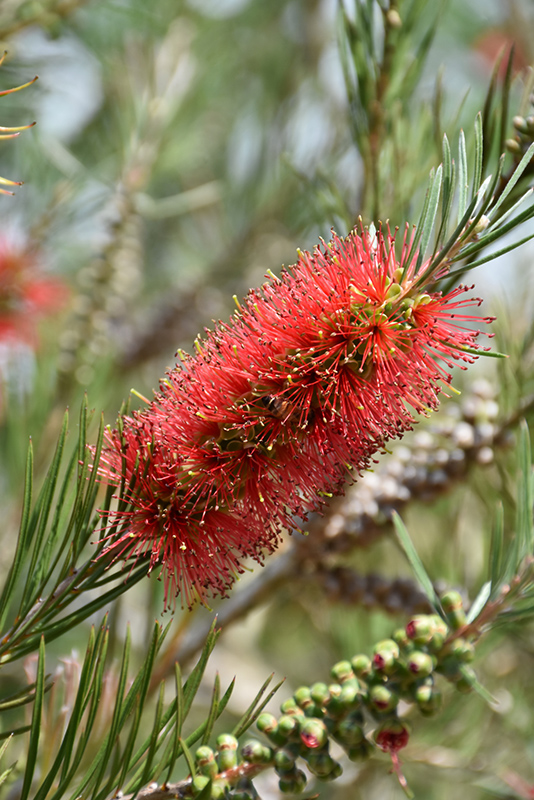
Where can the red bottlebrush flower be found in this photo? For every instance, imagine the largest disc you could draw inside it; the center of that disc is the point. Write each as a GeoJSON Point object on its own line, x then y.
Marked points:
{"type": "Point", "coordinates": [24, 294]}
{"type": "Point", "coordinates": [314, 374]}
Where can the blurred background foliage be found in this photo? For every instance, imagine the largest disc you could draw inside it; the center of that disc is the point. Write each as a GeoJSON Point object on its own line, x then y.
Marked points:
{"type": "Point", "coordinates": [184, 148]}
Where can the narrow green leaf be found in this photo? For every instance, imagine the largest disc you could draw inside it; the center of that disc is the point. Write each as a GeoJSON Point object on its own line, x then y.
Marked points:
{"type": "Point", "coordinates": [33, 748]}
{"type": "Point", "coordinates": [156, 728]}
{"type": "Point", "coordinates": [416, 563]}
{"type": "Point", "coordinates": [179, 720]}
{"type": "Point", "coordinates": [40, 560]}
{"type": "Point", "coordinates": [479, 153]}
{"type": "Point", "coordinates": [22, 543]}
{"type": "Point", "coordinates": [496, 552]}
{"type": "Point", "coordinates": [456, 273]}
{"type": "Point", "coordinates": [510, 184]}
{"type": "Point", "coordinates": [475, 684]}
{"type": "Point", "coordinates": [430, 219]}
{"type": "Point", "coordinates": [6, 773]}
{"type": "Point", "coordinates": [479, 602]}
{"type": "Point", "coordinates": [189, 758]}
{"type": "Point", "coordinates": [105, 752]}
{"type": "Point", "coordinates": [193, 682]}
{"type": "Point", "coordinates": [524, 526]}
{"type": "Point", "coordinates": [212, 714]}
{"type": "Point", "coordinates": [462, 176]}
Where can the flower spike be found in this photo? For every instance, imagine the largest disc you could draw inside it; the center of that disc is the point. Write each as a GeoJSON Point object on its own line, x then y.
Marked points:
{"type": "Point", "coordinates": [277, 408]}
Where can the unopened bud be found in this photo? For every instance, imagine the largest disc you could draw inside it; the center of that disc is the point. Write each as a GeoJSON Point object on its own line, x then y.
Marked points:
{"type": "Point", "coordinates": [342, 671]}
{"type": "Point", "coordinates": [513, 146]}
{"type": "Point", "coordinates": [420, 664]}
{"type": "Point", "coordinates": [382, 698]}
{"type": "Point", "coordinates": [292, 782]}
{"type": "Point", "coordinates": [313, 733]}
{"type": "Point", "coordinates": [520, 124]}
{"type": "Point", "coordinates": [219, 790]}
{"type": "Point", "coordinates": [393, 18]}
{"type": "Point", "coordinates": [349, 732]}
{"type": "Point", "coordinates": [267, 723]}
{"type": "Point", "coordinates": [392, 736]}
{"type": "Point", "coordinates": [320, 693]}
{"type": "Point", "coordinates": [420, 629]}
{"type": "Point", "coordinates": [255, 752]}
{"type": "Point", "coordinates": [284, 761]}
{"type": "Point", "coordinates": [303, 697]}
{"type": "Point", "coordinates": [287, 725]}
{"type": "Point", "coordinates": [428, 698]}
{"type": "Point", "coordinates": [385, 656]}
{"type": "Point", "coordinates": [198, 783]}
{"type": "Point", "coordinates": [205, 760]}
{"type": "Point", "coordinates": [290, 707]}
{"type": "Point", "coordinates": [320, 764]}
{"type": "Point", "coordinates": [362, 666]}
{"type": "Point", "coordinates": [360, 752]}
{"type": "Point", "coordinates": [453, 606]}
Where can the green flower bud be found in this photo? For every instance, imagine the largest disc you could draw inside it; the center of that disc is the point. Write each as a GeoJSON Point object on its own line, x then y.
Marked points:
{"type": "Point", "coordinates": [383, 699]}
{"type": "Point", "coordinates": [227, 742]}
{"type": "Point", "coordinates": [362, 666]}
{"type": "Point", "coordinates": [313, 733]}
{"type": "Point", "coordinates": [267, 723]}
{"type": "Point", "coordinates": [320, 764]}
{"type": "Point", "coordinates": [284, 761]}
{"type": "Point", "coordinates": [226, 759]}
{"type": "Point", "coordinates": [453, 606]}
{"type": "Point", "coordinates": [385, 657]}
{"type": "Point", "coordinates": [204, 755]}
{"type": "Point", "coordinates": [293, 782]}
{"type": "Point", "coordinates": [287, 725]}
{"type": "Point", "coordinates": [513, 146]}
{"type": "Point", "coordinates": [401, 638]}
{"type": "Point", "coordinates": [198, 783]}
{"type": "Point", "coordinates": [428, 699]}
{"type": "Point", "coordinates": [289, 706]}
{"type": "Point", "coordinates": [219, 790]}
{"type": "Point", "coordinates": [314, 711]}
{"type": "Point", "coordinates": [420, 664]}
{"type": "Point", "coordinates": [461, 649]}
{"type": "Point", "coordinates": [350, 694]}
{"type": "Point", "coordinates": [303, 696]}
{"type": "Point", "coordinates": [348, 732]}
{"type": "Point", "coordinates": [320, 693]}
{"type": "Point", "coordinates": [227, 751]}
{"type": "Point", "coordinates": [205, 760]}
{"type": "Point", "coordinates": [360, 752]}
{"type": "Point", "coordinates": [342, 671]}
{"type": "Point", "coordinates": [334, 706]}
{"type": "Point", "coordinates": [255, 752]}
{"type": "Point", "coordinates": [440, 633]}
{"type": "Point", "coordinates": [520, 124]}
{"type": "Point", "coordinates": [420, 629]}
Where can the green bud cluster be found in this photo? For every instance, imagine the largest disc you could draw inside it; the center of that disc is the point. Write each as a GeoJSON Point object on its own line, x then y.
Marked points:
{"type": "Point", "coordinates": [363, 690]}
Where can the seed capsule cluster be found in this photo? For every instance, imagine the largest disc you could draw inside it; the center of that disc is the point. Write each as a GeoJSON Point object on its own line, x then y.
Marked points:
{"type": "Point", "coordinates": [357, 710]}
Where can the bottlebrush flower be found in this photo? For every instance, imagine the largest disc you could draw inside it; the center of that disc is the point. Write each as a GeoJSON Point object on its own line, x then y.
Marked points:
{"type": "Point", "coordinates": [317, 370]}
{"type": "Point", "coordinates": [25, 295]}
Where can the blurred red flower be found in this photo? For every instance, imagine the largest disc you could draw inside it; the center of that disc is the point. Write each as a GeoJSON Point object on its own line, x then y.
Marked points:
{"type": "Point", "coordinates": [310, 378]}
{"type": "Point", "coordinates": [25, 294]}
